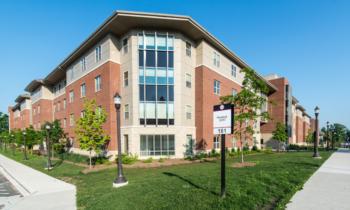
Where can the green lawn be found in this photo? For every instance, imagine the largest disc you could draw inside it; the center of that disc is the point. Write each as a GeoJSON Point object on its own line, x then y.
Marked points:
{"type": "Point", "coordinates": [268, 185]}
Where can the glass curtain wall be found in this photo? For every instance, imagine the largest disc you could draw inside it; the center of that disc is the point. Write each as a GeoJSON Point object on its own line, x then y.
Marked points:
{"type": "Point", "coordinates": [156, 78]}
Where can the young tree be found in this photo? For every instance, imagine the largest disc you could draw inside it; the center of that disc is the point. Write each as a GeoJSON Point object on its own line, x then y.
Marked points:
{"type": "Point", "coordinates": [248, 103]}
{"type": "Point", "coordinates": [4, 122]}
{"type": "Point", "coordinates": [310, 138]}
{"type": "Point", "coordinates": [280, 134]}
{"type": "Point", "coordinates": [89, 129]}
{"type": "Point", "coordinates": [57, 136]}
{"type": "Point", "coordinates": [32, 138]}
{"type": "Point", "coordinates": [4, 137]}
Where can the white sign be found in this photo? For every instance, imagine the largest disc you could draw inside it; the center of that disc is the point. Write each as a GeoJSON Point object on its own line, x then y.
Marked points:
{"type": "Point", "coordinates": [222, 121]}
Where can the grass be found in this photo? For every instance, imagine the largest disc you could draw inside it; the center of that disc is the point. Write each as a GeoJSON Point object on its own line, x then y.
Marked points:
{"type": "Point", "coordinates": [268, 185]}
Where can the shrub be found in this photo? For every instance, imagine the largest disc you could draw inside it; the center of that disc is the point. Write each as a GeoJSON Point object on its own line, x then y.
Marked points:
{"type": "Point", "coordinates": [200, 155]}
{"type": "Point", "coordinates": [148, 160]}
{"type": "Point", "coordinates": [161, 160]}
{"type": "Point", "coordinates": [128, 159]}
{"type": "Point", "coordinates": [214, 153]}
{"type": "Point", "coordinates": [233, 150]}
{"type": "Point", "coordinates": [246, 148]}
{"type": "Point", "coordinates": [255, 148]}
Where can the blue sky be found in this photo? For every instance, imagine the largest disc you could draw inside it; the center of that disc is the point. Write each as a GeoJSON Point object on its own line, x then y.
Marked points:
{"type": "Point", "coordinates": [305, 41]}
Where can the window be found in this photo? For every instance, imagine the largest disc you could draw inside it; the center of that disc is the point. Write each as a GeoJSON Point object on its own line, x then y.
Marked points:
{"type": "Point", "coordinates": [99, 110]}
{"type": "Point", "coordinates": [126, 112]}
{"type": "Point", "coordinates": [188, 80]}
{"type": "Point", "coordinates": [54, 108]}
{"type": "Point", "coordinates": [98, 53]}
{"type": "Point", "coordinates": [125, 45]}
{"type": "Point", "coordinates": [216, 87]}
{"type": "Point", "coordinates": [216, 59]}
{"type": "Point", "coordinates": [64, 103]}
{"type": "Point", "coordinates": [234, 92]}
{"type": "Point", "coordinates": [71, 96]}
{"type": "Point", "coordinates": [64, 123]}
{"type": "Point", "coordinates": [188, 49]}
{"type": "Point", "coordinates": [126, 79]}
{"type": "Point", "coordinates": [82, 114]}
{"type": "Point", "coordinates": [156, 79]}
{"type": "Point", "coordinates": [233, 70]}
{"type": "Point", "coordinates": [157, 145]}
{"type": "Point", "coordinates": [188, 112]}
{"type": "Point", "coordinates": [82, 90]}
{"type": "Point", "coordinates": [97, 83]}
{"type": "Point", "coordinates": [126, 144]}
{"type": "Point", "coordinates": [71, 119]}
{"type": "Point", "coordinates": [38, 109]}
{"type": "Point", "coordinates": [216, 142]}
{"type": "Point", "coordinates": [83, 64]}
{"type": "Point", "coordinates": [59, 106]}
{"type": "Point", "coordinates": [34, 111]}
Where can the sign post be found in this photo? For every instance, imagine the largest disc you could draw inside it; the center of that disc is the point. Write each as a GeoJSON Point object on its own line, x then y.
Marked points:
{"type": "Point", "coordinates": [223, 124]}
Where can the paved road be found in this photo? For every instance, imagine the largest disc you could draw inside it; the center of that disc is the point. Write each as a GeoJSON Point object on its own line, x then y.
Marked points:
{"type": "Point", "coordinates": [328, 188]}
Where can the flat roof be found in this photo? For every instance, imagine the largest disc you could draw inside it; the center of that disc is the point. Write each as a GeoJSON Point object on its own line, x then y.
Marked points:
{"type": "Point", "coordinates": [22, 97]}
{"type": "Point", "coordinates": [121, 22]}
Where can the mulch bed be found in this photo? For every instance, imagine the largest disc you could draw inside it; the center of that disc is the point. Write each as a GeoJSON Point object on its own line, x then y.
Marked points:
{"type": "Point", "coordinates": [243, 165]}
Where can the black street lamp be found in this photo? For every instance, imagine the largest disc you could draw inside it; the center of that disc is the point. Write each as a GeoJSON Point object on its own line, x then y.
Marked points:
{"type": "Point", "coordinates": [317, 133]}
{"type": "Point", "coordinates": [25, 145]}
{"type": "Point", "coordinates": [327, 135]}
{"type": "Point", "coordinates": [120, 180]}
{"type": "Point", "coordinates": [49, 165]}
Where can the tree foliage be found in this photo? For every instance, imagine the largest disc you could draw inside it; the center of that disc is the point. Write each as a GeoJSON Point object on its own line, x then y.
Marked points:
{"type": "Point", "coordinates": [4, 122]}
{"type": "Point", "coordinates": [280, 133]}
{"type": "Point", "coordinates": [248, 103]}
{"type": "Point", "coordinates": [89, 128]}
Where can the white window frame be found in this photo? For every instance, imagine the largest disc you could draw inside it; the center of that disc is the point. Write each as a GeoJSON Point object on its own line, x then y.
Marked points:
{"type": "Point", "coordinates": [82, 90]}
{"type": "Point", "coordinates": [188, 49]}
{"type": "Point", "coordinates": [98, 53]}
{"type": "Point", "coordinates": [98, 85]}
{"type": "Point", "coordinates": [217, 87]}
{"type": "Point", "coordinates": [234, 92]}
{"type": "Point", "coordinates": [125, 46]}
{"type": "Point", "coordinates": [71, 96]}
{"type": "Point", "coordinates": [233, 70]}
{"type": "Point", "coordinates": [126, 112]}
{"type": "Point", "coordinates": [216, 142]}
{"type": "Point", "coordinates": [216, 59]}
{"type": "Point", "coordinates": [188, 112]}
{"type": "Point", "coordinates": [126, 78]}
{"type": "Point", "coordinates": [83, 64]}
{"type": "Point", "coordinates": [188, 80]}
{"type": "Point", "coordinates": [71, 120]}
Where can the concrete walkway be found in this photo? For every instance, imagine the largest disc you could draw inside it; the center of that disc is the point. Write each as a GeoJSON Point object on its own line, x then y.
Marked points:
{"type": "Point", "coordinates": [328, 188]}
{"type": "Point", "coordinates": [37, 190]}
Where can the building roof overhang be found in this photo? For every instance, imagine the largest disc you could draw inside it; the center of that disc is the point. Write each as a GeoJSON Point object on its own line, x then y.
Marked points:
{"type": "Point", "coordinates": [294, 100]}
{"type": "Point", "coordinates": [300, 108]}
{"type": "Point", "coordinates": [15, 107]}
{"type": "Point", "coordinates": [22, 97]}
{"type": "Point", "coordinates": [34, 84]}
{"type": "Point", "coordinates": [121, 22]}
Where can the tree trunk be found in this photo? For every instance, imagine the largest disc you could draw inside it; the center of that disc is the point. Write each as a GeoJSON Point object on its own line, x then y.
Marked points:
{"type": "Point", "coordinates": [242, 159]}
{"type": "Point", "coordinates": [90, 160]}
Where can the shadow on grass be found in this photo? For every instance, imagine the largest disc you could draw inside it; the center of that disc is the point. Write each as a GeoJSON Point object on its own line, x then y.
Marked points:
{"type": "Point", "coordinates": [303, 164]}
{"type": "Point", "coordinates": [57, 163]}
{"type": "Point", "coordinates": [190, 182]}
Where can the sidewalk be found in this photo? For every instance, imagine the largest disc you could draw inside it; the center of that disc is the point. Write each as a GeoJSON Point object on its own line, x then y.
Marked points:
{"type": "Point", "coordinates": [328, 188]}
{"type": "Point", "coordinates": [38, 190]}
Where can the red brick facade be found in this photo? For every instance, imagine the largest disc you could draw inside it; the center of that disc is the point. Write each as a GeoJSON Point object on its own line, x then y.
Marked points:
{"type": "Point", "coordinates": [42, 112]}
{"type": "Point", "coordinates": [205, 100]}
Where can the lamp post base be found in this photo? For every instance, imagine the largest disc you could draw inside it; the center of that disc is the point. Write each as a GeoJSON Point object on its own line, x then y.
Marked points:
{"type": "Point", "coordinates": [316, 156]}
{"type": "Point", "coordinates": [117, 185]}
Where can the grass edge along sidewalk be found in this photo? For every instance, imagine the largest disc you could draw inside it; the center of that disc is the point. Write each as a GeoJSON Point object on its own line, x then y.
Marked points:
{"type": "Point", "coordinates": [268, 185]}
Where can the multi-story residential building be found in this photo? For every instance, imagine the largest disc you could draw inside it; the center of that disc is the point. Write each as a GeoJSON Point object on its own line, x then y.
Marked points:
{"type": "Point", "coordinates": [285, 109]}
{"type": "Point", "coordinates": [169, 71]}
{"type": "Point", "coordinates": [20, 115]}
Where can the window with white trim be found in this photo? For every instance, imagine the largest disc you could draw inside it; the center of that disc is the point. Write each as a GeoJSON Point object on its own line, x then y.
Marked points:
{"type": "Point", "coordinates": [188, 49]}
{"type": "Point", "coordinates": [64, 103]}
{"type": "Point", "coordinates": [97, 83]}
{"type": "Point", "coordinates": [234, 92]}
{"type": "Point", "coordinates": [125, 46]}
{"type": "Point", "coordinates": [188, 112]}
{"type": "Point", "coordinates": [126, 111]}
{"type": "Point", "coordinates": [216, 87]}
{"type": "Point", "coordinates": [83, 64]}
{"type": "Point", "coordinates": [126, 79]}
{"type": "Point", "coordinates": [71, 96]}
{"type": "Point", "coordinates": [71, 119]}
{"type": "Point", "coordinates": [188, 80]}
{"type": "Point", "coordinates": [216, 59]}
{"type": "Point", "coordinates": [98, 53]}
{"type": "Point", "coordinates": [82, 90]}
{"type": "Point", "coordinates": [233, 70]}
{"type": "Point", "coordinates": [157, 145]}
{"type": "Point", "coordinates": [216, 144]}
{"type": "Point", "coordinates": [64, 123]}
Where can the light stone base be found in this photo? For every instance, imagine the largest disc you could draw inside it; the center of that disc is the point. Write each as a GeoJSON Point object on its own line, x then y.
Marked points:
{"type": "Point", "coordinates": [117, 185]}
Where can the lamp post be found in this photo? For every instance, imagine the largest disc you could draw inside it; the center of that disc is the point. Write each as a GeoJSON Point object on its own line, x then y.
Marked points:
{"type": "Point", "coordinates": [25, 145]}
{"type": "Point", "coordinates": [13, 144]}
{"type": "Point", "coordinates": [327, 135]}
{"type": "Point", "coordinates": [120, 180]}
{"type": "Point", "coordinates": [49, 165]}
{"type": "Point", "coordinates": [317, 133]}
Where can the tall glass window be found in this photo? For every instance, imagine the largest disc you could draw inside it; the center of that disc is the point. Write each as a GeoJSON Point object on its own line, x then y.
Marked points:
{"type": "Point", "coordinates": [156, 78]}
